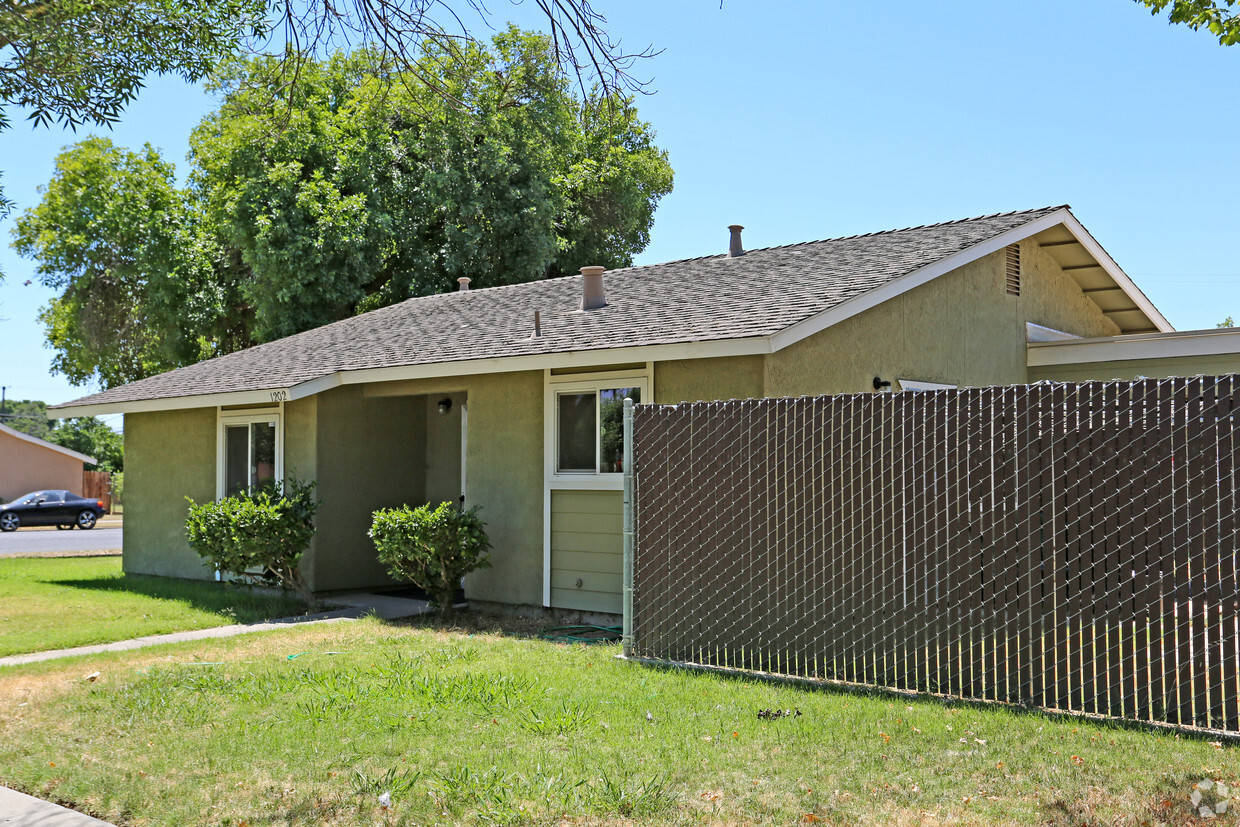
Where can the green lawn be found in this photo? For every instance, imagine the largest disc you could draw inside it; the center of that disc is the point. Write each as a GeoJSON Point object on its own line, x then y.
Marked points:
{"type": "Point", "coordinates": [311, 726]}
{"type": "Point", "coordinates": [58, 603]}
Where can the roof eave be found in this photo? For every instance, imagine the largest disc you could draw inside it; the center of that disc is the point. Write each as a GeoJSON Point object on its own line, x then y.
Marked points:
{"type": "Point", "coordinates": [872, 298]}
{"type": "Point", "coordinates": [746, 346]}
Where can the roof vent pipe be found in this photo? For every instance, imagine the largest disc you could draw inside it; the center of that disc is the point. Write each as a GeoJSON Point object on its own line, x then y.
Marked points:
{"type": "Point", "coordinates": [734, 243]}
{"type": "Point", "coordinates": [463, 281]}
{"type": "Point", "coordinates": [592, 288]}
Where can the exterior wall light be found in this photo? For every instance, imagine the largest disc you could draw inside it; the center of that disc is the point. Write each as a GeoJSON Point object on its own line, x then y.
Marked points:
{"type": "Point", "coordinates": [879, 384]}
{"type": "Point", "coordinates": [445, 405]}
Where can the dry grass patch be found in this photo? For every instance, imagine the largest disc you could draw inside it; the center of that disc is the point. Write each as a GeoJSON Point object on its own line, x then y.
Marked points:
{"type": "Point", "coordinates": [483, 724]}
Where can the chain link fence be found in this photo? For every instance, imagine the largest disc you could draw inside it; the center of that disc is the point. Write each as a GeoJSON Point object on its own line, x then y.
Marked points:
{"type": "Point", "coordinates": [1070, 547]}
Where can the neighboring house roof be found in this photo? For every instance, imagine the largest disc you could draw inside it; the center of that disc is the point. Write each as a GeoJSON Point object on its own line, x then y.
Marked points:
{"type": "Point", "coordinates": [715, 305]}
{"type": "Point", "coordinates": [43, 443]}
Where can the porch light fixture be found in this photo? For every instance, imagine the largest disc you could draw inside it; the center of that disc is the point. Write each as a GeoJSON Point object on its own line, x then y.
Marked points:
{"type": "Point", "coordinates": [445, 405]}
{"type": "Point", "coordinates": [879, 384]}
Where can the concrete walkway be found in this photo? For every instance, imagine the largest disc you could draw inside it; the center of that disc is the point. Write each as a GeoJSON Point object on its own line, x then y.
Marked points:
{"type": "Point", "coordinates": [19, 810]}
{"type": "Point", "coordinates": [352, 606]}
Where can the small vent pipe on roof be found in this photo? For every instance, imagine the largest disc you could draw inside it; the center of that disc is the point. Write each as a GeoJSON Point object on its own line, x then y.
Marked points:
{"type": "Point", "coordinates": [592, 288]}
{"type": "Point", "coordinates": [734, 243]}
{"type": "Point", "coordinates": [463, 281]}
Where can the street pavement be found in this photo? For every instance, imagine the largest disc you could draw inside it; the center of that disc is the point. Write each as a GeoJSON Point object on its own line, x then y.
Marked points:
{"type": "Point", "coordinates": [33, 541]}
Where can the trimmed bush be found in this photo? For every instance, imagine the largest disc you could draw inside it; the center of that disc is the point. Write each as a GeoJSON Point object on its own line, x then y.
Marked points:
{"type": "Point", "coordinates": [258, 537]}
{"type": "Point", "coordinates": [432, 548]}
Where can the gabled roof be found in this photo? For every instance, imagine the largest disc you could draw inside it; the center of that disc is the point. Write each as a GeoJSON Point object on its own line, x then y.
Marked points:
{"type": "Point", "coordinates": [714, 305]}
{"type": "Point", "coordinates": [43, 443]}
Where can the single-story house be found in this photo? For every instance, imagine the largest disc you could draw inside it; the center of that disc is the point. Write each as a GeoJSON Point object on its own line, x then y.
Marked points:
{"type": "Point", "coordinates": [506, 397]}
{"type": "Point", "coordinates": [28, 463]}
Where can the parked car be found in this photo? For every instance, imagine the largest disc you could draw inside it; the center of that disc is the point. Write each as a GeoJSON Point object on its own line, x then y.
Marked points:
{"type": "Point", "coordinates": [62, 509]}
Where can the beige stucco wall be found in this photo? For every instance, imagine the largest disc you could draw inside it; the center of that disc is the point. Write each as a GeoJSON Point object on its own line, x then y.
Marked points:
{"type": "Point", "coordinates": [443, 448]}
{"type": "Point", "coordinates": [28, 466]}
{"type": "Point", "coordinates": [504, 471]}
{"type": "Point", "coordinates": [959, 329]}
{"type": "Point", "coordinates": [371, 453]}
{"type": "Point", "coordinates": [169, 455]}
{"type": "Point", "coordinates": [698, 380]}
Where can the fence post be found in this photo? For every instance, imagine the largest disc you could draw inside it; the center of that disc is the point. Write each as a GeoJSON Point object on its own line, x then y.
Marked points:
{"type": "Point", "coordinates": [627, 638]}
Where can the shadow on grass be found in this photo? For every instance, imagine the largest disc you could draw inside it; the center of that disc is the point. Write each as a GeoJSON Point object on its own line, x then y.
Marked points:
{"type": "Point", "coordinates": [473, 622]}
{"type": "Point", "coordinates": [223, 599]}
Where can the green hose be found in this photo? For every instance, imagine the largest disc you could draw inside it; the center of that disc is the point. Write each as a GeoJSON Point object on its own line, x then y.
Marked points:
{"type": "Point", "coordinates": [582, 634]}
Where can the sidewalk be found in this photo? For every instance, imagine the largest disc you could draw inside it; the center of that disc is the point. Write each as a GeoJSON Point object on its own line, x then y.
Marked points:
{"type": "Point", "coordinates": [350, 607]}
{"type": "Point", "coordinates": [19, 810]}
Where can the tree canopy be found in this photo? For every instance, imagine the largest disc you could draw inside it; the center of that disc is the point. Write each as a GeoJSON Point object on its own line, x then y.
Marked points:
{"type": "Point", "coordinates": [113, 235]}
{"type": "Point", "coordinates": [78, 62]}
{"type": "Point", "coordinates": [356, 186]}
{"type": "Point", "coordinates": [1216, 16]}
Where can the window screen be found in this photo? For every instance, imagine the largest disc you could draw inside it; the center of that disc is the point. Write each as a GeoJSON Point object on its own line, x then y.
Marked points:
{"type": "Point", "coordinates": [236, 459]}
{"type": "Point", "coordinates": [575, 451]}
{"type": "Point", "coordinates": [262, 453]}
{"type": "Point", "coordinates": [611, 427]}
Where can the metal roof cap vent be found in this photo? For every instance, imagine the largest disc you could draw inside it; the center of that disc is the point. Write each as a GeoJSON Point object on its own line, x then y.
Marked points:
{"type": "Point", "coordinates": [463, 281]}
{"type": "Point", "coordinates": [735, 249]}
{"type": "Point", "coordinates": [592, 288]}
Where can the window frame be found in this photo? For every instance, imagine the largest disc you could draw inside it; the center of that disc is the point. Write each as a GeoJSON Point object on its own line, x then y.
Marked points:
{"type": "Point", "coordinates": [577, 384]}
{"type": "Point", "coordinates": [224, 419]}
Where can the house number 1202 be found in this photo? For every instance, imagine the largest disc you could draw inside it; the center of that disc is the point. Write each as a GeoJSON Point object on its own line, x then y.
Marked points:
{"type": "Point", "coordinates": [279, 396]}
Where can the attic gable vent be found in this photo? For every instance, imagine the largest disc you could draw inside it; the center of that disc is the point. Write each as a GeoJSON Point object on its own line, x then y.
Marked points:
{"type": "Point", "coordinates": [1011, 280]}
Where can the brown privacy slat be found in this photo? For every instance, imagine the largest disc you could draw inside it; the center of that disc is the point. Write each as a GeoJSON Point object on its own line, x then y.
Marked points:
{"type": "Point", "coordinates": [1146, 568]}
{"type": "Point", "coordinates": [1163, 685]}
{"type": "Point", "coordinates": [1204, 466]}
{"type": "Point", "coordinates": [915, 542]}
{"type": "Point", "coordinates": [1190, 634]}
{"type": "Point", "coordinates": [1229, 447]}
{"type": "Point", "coordinates": [1070, 546]}
{"type": "Point", "coordinates": [1060, 448]}
{"type": "Point", "coordinates": [975, 577]}
{"type": "Point", "coordinates": [1217, 412]}
{"type": "Point", "coordinates": [1108, 557]}
{"type": "Point", "coordinates": [858, 573]}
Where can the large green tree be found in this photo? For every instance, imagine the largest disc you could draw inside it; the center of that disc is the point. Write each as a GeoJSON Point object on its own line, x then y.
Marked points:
{"type": "Point", "coordinates": [80, 62]}
{"type": "Point", "coordinates": [353, 192]}
{"type": "Point", "coordinates": [1220, 17]}
{"type": "Point", "coordinates": [356, 186]}
{"type": "Point", "coordinates": [113, 235]}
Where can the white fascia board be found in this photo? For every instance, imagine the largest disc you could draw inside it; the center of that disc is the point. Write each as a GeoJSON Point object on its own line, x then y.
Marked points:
{"type": "Point", "coordinates": [1221, 342]}
{"type": "Point", "coordinates": [503, 364]}
{"type": "Point", "coordinates": [749, 346]}
{"type": "Point", "coordinates": [43, 443]}
{"type": "Point", "coordinates": [267, 396]}
{"type": "Point", "coordinates": [875, 297]}
{"type": "Point", "coordinates": [903, 284]}
{"type": "Point", "coordinates": [1116, 273]}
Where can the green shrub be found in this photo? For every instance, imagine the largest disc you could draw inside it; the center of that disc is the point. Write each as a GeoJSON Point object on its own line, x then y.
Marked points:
{"type": "Point", "coordinates": [433, 548]}
{"type": "Point", "coordinates": [260, 536]}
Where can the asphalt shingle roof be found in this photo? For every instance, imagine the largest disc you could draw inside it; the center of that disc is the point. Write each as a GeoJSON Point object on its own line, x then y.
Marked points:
{"type": "Point", "coordinates": [693, 300]}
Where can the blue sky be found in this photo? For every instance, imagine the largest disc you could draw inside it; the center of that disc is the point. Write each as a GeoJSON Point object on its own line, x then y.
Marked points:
{"type": "Point", "coordinates": [808, 120]}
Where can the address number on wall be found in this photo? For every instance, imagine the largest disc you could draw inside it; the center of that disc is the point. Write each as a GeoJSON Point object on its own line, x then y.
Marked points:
{"type": "Point", "coordinates": [279, 396]}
